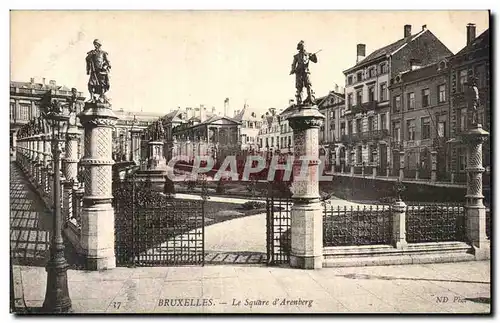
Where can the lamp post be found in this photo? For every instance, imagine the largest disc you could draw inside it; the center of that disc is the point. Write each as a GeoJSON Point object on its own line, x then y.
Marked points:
{"type": "Point", "coordinates": [57, 298]}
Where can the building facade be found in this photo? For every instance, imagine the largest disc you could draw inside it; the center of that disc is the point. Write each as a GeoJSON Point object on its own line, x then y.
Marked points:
{"type": "Point", "coordinates": [420, 120]}
{"type": "Point", "coordinates": [473, 61]}
{"type": "Point", "coordinates": [25, 102]}
{"type": "Point", "coordinates": [367, 115]}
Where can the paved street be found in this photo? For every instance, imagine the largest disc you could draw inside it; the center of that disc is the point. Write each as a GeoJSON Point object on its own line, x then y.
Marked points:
{"type": "Point", "coordinates": [434, 288]}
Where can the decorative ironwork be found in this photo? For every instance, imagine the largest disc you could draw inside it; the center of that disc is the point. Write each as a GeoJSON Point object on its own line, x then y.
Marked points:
{"type": "Point", "coordinates": [435, 223]}
{"type": "Point", "coordinates": [154, 229]}
{"type": "Point", "coordinates": [488, 223]}
{"type": "Point", "coordinates": [356, 226]}
{"type": "Point", "coordinates": [278, 223]}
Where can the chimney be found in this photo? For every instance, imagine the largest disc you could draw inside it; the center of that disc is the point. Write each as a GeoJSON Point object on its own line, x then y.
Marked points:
{"type": "Point", "coordinates": [407, 31]}
{"type": "Point", "coordinates": [32, 80]}
{"type": "Point", "coordinates": [52, 82]}
{"type": "Point", "coordinates": [213, 110]}
{"type": "Point", "coordinates": [189, 113]}
{"type": "Point", "coordinates": [336, 88]}
{"type": "Point", "coordinates": [226, 107]}
{"type": "Point", "coordinates": [361, 52]}
{"type": "Point", "coordinates": [471, 33]}
{"type": "Point", "coordinates": [203, 113]}
{"type": "Point", "coordinates": [424, 27]}
{"type": "Point", "coordinates": [273, 111]}
{"type": "Point", "coordinates": [43, 81]}
{"type": "Point", "coordinates": [291, 102]}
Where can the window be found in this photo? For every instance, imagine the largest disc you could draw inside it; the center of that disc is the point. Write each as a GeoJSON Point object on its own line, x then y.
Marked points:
{"type": "Point", "coordinates": [463, 119]}
{"type": "Point", "coordinates": [281, 142]}
{"type": "Point", "coordinates": [349, 80]}
{"type": "Point", "coordinates": [396, 131]}
{"type": "Point", "coordinates": [425, 97]}
{"type": "Point", "coordinates": [383, 124]}
{"type": "Point", "coordinates": [426, 127]}
{"type": "Point", "coordinates": [383, 68]}
{"type": "Point", "coordinates": [350, 127]}
{"type": "Point", "coordinates": [462, 78]}
{"type": "Point", "coordinates": [383, 92]}
{"type": "Point", "coordinates": [441, 129]}
{"type": "Point", "coordinates": [462, 159]}
{"type": "Point", "coordinates": [397, 103]}
{"type": "Point", "coordinates": [480, 75]}
{"type": "Point", "coordinates": [359, 77]}
{"type": "Point", "coordinates": [411, 101]}
{"type": "Point", "coordinates": [359, 97]}
{"type": "Point", "coordinates": [371, 123]}
{"type": "Point", "coordinates": [371, 94]}
{"type": "Point", "coordinates": [358, 125]}
{"type": "Point", "coordinates": [359, 154]}
{"type": "Point", "coordinates": [442, 93]}
{"type": "Point", "coordinates": [371, 72]}
{"type": "Point", "coordinates": [12, 110]}
{"type": "Point", "coordinates": [342, 129]}
{"type": "Point", "coordinates": [349, 101]}
{"type": "Point", "coordinates": [289, 141]}
{"type": "Point", "coordinates": [410, 125]}
{"type": "Point", "coordinates": [333, 114]}
{"type": "Point", "coordinates": [272, 141]}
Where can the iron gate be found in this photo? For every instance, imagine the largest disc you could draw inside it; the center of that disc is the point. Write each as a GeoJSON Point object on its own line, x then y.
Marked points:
{"type": "Point", "coordinates": [278, 223]}
{"type": "Point", "coordinates": [153, 229]}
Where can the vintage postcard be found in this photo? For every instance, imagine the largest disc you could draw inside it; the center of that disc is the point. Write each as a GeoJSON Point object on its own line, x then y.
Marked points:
{"type": "Point", "coordinates": [250, 162]}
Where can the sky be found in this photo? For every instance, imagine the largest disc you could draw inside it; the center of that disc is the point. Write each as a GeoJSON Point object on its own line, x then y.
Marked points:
{"type": "Point", "coordinates": [164, 59]}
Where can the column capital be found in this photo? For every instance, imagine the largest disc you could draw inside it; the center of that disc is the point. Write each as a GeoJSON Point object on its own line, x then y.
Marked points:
{"type": "Point", "coordinates": [97, 114]}
{"type": "Point", "coordinates": [306, 118]}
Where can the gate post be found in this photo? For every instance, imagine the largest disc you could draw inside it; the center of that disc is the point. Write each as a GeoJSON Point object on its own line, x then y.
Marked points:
{"type": "Point", "coordinates": [306, 216]}
{"type": "Point", "coordinates": [433, 166]}
{"type": "Point", "coordinates": [401, 165]}
{"type": "Point", "coordinates": [97, 218]}
{"type": "Point", "coordinates": [475, 209]}
{"type": "Point", "coordinates": [70, 170]}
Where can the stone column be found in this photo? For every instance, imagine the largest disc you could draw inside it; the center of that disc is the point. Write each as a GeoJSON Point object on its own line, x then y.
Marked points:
{"type": "Point", "coordinates": [135, 145]}
{"type": "Point", "coordinates": [98, 219]}
{"type": "Point", "coordinates": [433, 166]}
{"type": "Point", "coordinates": [70, 171]}
{"type": "Point", "coordinates": [401, 165]}
{"type": "Point", "coordinates": [306, 214]}
{"type": "Point", "coordinates": [476, 211]}
{"type": "Point", "coordinates": [399, 224]}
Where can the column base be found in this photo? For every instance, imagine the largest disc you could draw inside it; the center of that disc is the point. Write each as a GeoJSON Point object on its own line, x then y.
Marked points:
{"type": "Point", "coordinates": [482, 253]}
{"type": "Point", "coordinates": [306, 262]}
{"type": "Point", "coordinates": [96, 264]}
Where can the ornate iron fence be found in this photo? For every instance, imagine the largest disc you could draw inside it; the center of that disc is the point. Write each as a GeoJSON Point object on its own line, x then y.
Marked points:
{"type": "Point", "coordinates": [152, 228]}
{"type": "Point", "coordinates": [278, 223]}
{"type": "Point", "coordinates": [355, 226]}
{"type": "Point", "coordinates": [488, 223]}
{"type": "Point", "coordinates": [435, 222]}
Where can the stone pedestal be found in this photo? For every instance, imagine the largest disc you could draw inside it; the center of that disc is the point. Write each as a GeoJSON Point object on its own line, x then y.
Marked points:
{"type": "Point", "coordinates": [156, 158]}
{"type": "Point", "coordinates": [399, 225]}
{"type": "Point", "coordinates": [306, 214]}
{"type": "Point", "coordinates": [401, 165]}
{"type": "Point", "coordinates": [374, 171]}
{"type": "Point", "coordinates": [433, 166]}
{"type": "Point", "coordinates": [476, 211]}
{"type": "Point", "coordinates": [98, 220]}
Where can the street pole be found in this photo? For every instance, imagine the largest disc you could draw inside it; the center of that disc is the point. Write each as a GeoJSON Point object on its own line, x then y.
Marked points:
{"type": "Point", "coordinates": [57, 298]}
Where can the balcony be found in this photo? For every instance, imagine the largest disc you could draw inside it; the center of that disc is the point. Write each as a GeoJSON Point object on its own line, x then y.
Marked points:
{"type": "Point", "coordinates": [364, 107]}
{"type": "Point", "coordinates": [373, 135]}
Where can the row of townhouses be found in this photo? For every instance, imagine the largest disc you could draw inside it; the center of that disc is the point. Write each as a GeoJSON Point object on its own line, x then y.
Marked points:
{"type": "Point", "coordinates": [402, 101]}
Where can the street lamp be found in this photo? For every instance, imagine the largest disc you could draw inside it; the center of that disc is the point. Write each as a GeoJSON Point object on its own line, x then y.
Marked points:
{"type": "Point", "coordinates": [56, 295]}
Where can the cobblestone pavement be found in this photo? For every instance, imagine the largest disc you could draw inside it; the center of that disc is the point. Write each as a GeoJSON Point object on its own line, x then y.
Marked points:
{"type": "Point", "coordinates": [432, 288]}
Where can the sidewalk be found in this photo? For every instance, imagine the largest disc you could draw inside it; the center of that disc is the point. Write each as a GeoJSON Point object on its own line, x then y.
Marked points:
{"type": "Point", "coordinates": [435, 288]}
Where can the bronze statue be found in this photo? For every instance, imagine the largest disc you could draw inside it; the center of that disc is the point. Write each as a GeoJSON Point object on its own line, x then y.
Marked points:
{"type": "Point", "coordinates": [300, 67]}
{"type": "Point", "coordinates": [472, 97]}
{"type": "Point", "coordinates": [98, 67]}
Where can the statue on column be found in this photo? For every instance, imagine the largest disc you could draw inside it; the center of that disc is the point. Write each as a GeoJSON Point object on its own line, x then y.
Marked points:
{"type": "Point", "coordinates": [98, 67]}
{"type": "Point", "coordinates": [472, 98]}
{"type": "Point", "coordinates": [300, 67]}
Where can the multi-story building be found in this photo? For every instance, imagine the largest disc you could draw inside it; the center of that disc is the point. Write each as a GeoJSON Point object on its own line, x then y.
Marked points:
{"type": "Point", "coordinates": [249, 130]}
{"type": "Point", "coordinates": [332, 107]}
{"type": "Point", "coordinates": [121, 135]}
{"type": "Point", "coordinates": [472, 61]}
{"type": "Point", "coordinates": [270, 131]}
{"type": "Point", "coordinates": [367, 97]}
{"type": "Point", "coordinates": [25, 102]}
{"type": "Point", "coordinates": [419, 119]}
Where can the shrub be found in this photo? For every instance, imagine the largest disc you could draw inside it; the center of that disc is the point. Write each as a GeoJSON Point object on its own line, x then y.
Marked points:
{"type": "Point", "coordinates": [252, 205]}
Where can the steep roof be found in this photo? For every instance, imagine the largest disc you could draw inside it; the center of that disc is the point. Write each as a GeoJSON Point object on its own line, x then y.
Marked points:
{"type": "Point", "coordinates": [386, 50]}
{"type": "Point", "coordinates": [246, 114]}
{"type": "Point", "coordinates": [38, 86]}
{"type": "Point", "coordinates": [482, 40]}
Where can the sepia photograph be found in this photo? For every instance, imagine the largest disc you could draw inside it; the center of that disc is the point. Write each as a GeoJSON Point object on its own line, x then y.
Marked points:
{"type": "Point", "coordinates": [250, 161]}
